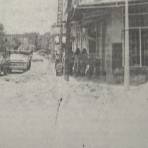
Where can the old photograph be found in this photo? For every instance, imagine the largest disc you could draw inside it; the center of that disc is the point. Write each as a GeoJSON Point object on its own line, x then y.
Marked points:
{"type": "Point", "coordinates": [73, 73]}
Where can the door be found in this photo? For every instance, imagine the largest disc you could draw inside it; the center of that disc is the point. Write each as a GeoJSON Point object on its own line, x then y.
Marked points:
{"type": "Point", "coordinates": [116, 55]}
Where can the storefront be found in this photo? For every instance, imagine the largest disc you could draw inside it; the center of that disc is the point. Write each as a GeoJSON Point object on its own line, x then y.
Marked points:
{"type": "Point", "coordinates": [100, 29]}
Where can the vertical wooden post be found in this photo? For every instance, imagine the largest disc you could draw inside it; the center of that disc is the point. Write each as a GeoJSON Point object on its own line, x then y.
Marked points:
{"type": "Point", "coordinates": [60, 38]}
{"type": "Point", "coordinates": [60, 22]}
{"type": "Point", "coordinates": [68, 46]}
{"type": "Point", "coordinates": [126, 66]}
{"type": "Point", "coordinates": [140, 46]}
{"type": "Point", "coordinates": [81, 37]}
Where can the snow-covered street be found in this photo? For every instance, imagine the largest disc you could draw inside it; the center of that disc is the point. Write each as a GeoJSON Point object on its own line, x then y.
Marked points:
{"type": "Point", "coordinates": [91, 115]}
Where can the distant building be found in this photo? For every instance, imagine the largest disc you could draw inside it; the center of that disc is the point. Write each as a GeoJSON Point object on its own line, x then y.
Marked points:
{"type": "Point", "coordinates": [36, 40]}
{"type": "Point", "coordinates": [27, 38]}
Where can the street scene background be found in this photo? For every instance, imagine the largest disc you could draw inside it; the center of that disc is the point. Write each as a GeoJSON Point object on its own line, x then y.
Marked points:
{"type": "Point", "coordinates": [91, 113]}
{"type": "Point", "coordinates": [40, 109]}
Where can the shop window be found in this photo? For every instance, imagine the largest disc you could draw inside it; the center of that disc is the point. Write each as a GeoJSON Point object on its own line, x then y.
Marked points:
{"type": "Point", "coordinates": [138, 35]}
{"type": "Point", "coordinates": [138, 47]}
{"type": "Point", "coordinates": [138, 15]}
{"type": "Point", "coordinates": [134, 48]}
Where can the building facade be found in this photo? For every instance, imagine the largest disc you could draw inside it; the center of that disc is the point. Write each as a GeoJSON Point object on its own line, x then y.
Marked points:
{"type": "Point", "coordinates": [98, 26]}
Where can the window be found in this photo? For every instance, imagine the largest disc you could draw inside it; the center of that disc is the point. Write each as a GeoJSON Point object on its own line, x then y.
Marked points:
{"type": "Point", "coordinates": [138, 35]}
{"type": "Point", "coordinates": [134, 47]}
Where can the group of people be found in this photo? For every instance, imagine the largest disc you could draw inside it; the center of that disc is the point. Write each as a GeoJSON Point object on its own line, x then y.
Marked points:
{"type": "Point", "coordinates": [79, 62]}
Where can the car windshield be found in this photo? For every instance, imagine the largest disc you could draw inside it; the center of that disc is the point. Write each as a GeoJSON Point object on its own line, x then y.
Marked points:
{"type": "Point", "coordinates": [18, 56]}
{"type": "Point", "coordinates": [20, 52]}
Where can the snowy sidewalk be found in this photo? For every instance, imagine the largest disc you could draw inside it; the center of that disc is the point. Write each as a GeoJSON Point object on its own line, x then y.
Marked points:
{"type": "Point", "coordinates": [92, 114]}
{"type": "Point", "coordinates": [101, 115]}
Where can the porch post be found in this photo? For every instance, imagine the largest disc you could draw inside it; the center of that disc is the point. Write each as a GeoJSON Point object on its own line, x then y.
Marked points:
{"type": "Point", "coordinates": [126, 66]}
{"type": "Point", "coordinates": [140, 46]}
{"type": "Point", "coordinates": [66, 62]}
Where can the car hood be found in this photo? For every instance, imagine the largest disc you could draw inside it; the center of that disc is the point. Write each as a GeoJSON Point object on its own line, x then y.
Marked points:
{"type": "Point", "coordinates": [18, 57]}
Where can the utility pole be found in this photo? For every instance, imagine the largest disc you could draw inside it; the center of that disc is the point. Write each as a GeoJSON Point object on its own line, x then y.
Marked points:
{"type": "Point", "coordinates": [68, 29]}
{"type": "Point", "coordinates": [68, 46]}
{"type": "Point", "coordinates": [68, 42]}
{"type": "Point", "coordinates": [126, 65]}
{"type": "Point", "coordinates": [60, 22]}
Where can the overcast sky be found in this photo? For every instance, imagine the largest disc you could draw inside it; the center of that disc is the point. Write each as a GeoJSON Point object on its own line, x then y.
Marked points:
{"type": "Point", "coordinates": [19, 16]}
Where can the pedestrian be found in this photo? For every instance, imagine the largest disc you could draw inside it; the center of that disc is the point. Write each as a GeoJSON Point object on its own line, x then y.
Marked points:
{"type": "Point", "coordinates": [63, 60]}
{"type": "Point", "coordinates": [76, 67]}
{"type": "Point", "coordinates": [90, 66]}
{"type": "Point", "coordinates": [83, 61]}
{"type": "Point", "coordinates": [71, 62]}
{"type": "Point", "coordinates": [58, 64]}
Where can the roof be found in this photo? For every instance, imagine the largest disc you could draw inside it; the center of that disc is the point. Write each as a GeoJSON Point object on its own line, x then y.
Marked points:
{"type": "Point", "coordinates": [93, 2]}
{"type": "Point", "coordinates": [87, 4]}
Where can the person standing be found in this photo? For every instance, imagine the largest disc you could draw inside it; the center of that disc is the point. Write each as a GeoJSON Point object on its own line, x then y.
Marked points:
{"type": "Point", "coordinates": [71, 62]}
{"type": "Point", "coordinates": [76, 68]}
{"type": "Point", "coordinates": [83, 61]}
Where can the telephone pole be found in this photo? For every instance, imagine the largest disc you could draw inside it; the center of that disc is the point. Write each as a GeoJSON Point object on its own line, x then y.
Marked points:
{"type": "Point", "coordinates": [67, 59]}
{"type": "Point", "coordinates": [60, 21]}
{"type": "Point", "coordinates": [68, 42]}
{"type": "Point", "coordinates": [126, 65]}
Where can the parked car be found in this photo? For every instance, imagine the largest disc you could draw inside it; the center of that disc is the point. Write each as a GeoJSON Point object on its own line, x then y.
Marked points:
{"type": "Point", "coordinates": [4, 62]}
{"type": "Point", "coordinates": [19, 61]}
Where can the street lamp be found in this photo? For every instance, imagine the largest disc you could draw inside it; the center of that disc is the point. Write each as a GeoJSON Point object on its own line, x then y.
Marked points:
{"type": "Point", "coordinates": [126, 65]}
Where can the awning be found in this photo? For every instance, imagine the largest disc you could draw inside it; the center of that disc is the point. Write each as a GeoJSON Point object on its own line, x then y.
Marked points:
{"type": "Point", "coordinates": [95, 4]}
{"type": "Point", "coordinates": [98, 10]}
